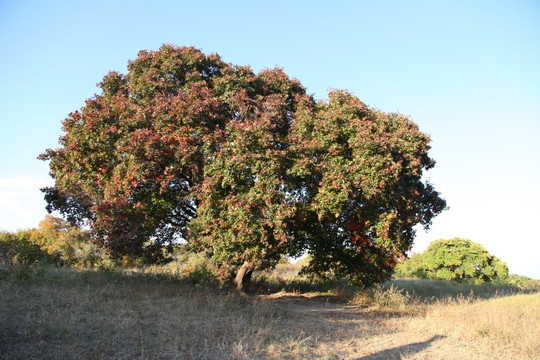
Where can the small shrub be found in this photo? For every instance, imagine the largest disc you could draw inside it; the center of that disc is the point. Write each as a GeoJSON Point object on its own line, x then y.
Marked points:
{"type": "Point", "coordinates": [392, 298]}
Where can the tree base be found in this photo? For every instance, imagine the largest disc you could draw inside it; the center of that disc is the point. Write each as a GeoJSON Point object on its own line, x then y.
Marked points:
{"type": "Point", "coordinates": [242, 280]}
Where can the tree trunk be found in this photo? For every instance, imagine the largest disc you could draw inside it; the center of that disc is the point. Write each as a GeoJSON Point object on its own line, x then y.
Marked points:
{"type": "Point", "coordinates": [243, 277]}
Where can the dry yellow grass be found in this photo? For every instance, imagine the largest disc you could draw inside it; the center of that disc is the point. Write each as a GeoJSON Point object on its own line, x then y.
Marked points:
{"type": "Point", "coordinates": [503, 328]}
{"type": "Point", "coordinates": [94, 315]}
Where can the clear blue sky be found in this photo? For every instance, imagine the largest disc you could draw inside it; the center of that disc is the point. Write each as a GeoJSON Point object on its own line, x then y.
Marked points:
{"type": "Point", "coordinates": [468, 72]}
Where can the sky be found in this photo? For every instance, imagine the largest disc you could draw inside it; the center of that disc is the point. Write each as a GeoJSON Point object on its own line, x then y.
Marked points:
{"type": "Point", "coordinates": [467, 72]}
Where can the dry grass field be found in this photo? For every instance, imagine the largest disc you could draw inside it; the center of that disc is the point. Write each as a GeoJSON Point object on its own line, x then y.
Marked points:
{"type": "Point", "coordinates": [76, 314]}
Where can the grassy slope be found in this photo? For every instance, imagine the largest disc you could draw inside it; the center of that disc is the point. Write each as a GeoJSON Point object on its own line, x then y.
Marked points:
{"type": "Point", "coordinates": [94, 315]}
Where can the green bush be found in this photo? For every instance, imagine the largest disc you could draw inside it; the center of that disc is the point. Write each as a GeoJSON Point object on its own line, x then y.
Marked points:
{"type": "Point", "coordinates": [54, 242]}
{"type": "Point", "coordinates": [411, 268]}
{"type": "Point", "coordinates": [68, 245]}
{"type": "Point", "coordinates": [456, 260]}
{"type": "Point", "coordinates": [18, 249]}
{"type": "Point", "coordinates": [523, 282]}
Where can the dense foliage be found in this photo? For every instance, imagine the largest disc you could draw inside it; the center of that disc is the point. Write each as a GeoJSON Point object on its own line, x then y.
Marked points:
{"type": "Point", "coordinates": [245, 167]}
{"type": "Point", "coordinates": [66, 244]}
{"type": "Point", "coordinates": [523, 282]}
{"type": "Point", "coordinates": [360, 190]}
{"type": "Point", "coordinates": [54, 242]}
{"type": "Point", "coordinates": [454, 259]}
{"type": "Point", "coordinates": [17, 249]}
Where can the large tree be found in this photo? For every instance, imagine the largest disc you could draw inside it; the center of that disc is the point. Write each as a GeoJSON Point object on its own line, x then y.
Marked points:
{"type": "Point", "coordinates": [245, 167]}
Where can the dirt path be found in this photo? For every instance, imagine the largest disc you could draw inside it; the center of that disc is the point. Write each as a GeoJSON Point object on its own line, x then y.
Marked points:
{"type": "Point", "coordinates": [309, 304]}
{"type": "Point", "coordinates": [380, 334]}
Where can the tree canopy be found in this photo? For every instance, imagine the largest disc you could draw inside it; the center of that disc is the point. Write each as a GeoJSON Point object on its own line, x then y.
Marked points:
{"type": "Point", "coordinates": [245, 167]}
{"type": "Point", "coordinates": [455, 259]}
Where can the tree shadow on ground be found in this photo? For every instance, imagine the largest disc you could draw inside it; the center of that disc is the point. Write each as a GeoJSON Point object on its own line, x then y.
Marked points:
{"type": "Point", "coordinates": [397, 352]}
